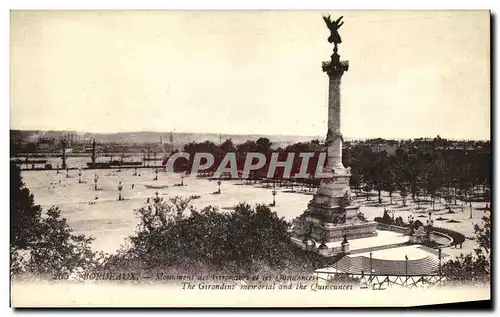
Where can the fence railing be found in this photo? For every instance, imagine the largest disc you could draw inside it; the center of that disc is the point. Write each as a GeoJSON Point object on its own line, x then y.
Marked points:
{"type": "Point", "coordinates": [380, 282]}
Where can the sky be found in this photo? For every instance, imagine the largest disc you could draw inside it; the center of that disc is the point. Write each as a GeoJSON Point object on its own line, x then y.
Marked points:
{"type": "Point", "coordinates": [412, 74]}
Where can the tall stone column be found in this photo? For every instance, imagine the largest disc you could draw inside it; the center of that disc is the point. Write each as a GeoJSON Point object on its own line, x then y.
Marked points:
{"type": "Point", "coordinates": [335, 189]}
{"type": "Point", "coordinates": [335, 69]}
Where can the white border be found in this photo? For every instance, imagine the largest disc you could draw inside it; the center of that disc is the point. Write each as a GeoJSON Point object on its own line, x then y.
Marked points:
{"type": "Point", "coordinates": [184, 5]}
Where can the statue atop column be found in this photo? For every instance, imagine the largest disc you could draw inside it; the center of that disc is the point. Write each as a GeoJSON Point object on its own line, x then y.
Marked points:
{"type": "Point", "coordinates": [334, 65]}
{"type": "Point", "coordinates": [334, 26]}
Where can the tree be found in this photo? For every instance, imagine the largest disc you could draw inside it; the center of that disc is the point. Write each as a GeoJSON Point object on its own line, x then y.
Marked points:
{"type": "Point", "coordinates": [379, 173]}
{"type": "Point", "coordinates": [389, 182]}
{"type": "Point", "coordinates": [433, 175]}
{"type": "Point", "coordinates": [243, 240]}
{"type": "Point", "coordinates": [355, 180]}
{"type": "Point", "coordinates": [228, 146]}
{"type": "Point", "coordinates": [43, 245]}
{"type": "Point", "coordinates": [24, 214]}
{"type": "Point", "coordinates": [59, 250]}
{"type": "Point", "coordinates": [473, 267]}
{"type": "Point", "coordinates": [263, 145]}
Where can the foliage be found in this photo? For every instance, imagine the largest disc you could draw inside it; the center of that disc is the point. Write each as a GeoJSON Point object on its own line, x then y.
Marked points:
{"type": "Point", "coordinates": [245, 239]}
{"type": "Point", "coordinates": [24, 214]}
{"type": "Point", "coordinates": [473, 267]}
{"type": "Point", "coordinates": [43, 244]}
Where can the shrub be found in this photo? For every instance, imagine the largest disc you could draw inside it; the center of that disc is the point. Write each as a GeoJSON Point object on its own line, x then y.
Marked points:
{"type": "Point", "coordinates": [246, 240]}
{"type": "Point", "coordinates": [42, 245]}
{"type": "Point", "coordinates": [473, 267]}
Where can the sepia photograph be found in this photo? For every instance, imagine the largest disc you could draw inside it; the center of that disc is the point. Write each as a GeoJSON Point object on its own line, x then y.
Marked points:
{"type": "Point", "coordinates": [228, 159]}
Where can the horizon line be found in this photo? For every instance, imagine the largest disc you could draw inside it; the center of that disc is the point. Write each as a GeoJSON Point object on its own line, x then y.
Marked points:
{"type": "Point", "coordinates": [257, 134]}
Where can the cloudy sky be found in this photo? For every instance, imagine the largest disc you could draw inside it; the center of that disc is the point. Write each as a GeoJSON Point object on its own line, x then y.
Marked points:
{"type": "Point", "coordinates": [412, 74]}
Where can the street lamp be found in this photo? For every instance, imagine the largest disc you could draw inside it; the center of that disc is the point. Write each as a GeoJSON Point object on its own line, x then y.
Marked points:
{"type": "Point", "coordinates": [406, 266]}
{"type": "Point", "coordinates": [274, 194]}
{"type": "Point", "coordinates": [120, 187]}
{"type": "Point", "coordinates": [96, 178]}
{"type": "Point", "coordinates": [439, 255]}
{"type": "Point", "coordinates": [80, 176]}
{"type": "Point", "coordinates": [371, 264]}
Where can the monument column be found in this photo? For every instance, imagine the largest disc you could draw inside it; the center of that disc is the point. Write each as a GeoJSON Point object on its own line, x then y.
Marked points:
{"type": "Point", "coordinates": [331, 214]}
{"type": "Point", "coordinates": [335, 69]}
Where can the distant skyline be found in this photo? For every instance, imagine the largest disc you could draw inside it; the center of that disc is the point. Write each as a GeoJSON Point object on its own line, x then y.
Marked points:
{"type": "Point", "coordinates": [412, 74]}
{"type": "Point", "coordinates": [228, 135]}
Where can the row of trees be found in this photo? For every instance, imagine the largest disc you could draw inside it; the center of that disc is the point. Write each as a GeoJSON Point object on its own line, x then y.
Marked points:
{"type": "Point", "coordinates": [444, 174]}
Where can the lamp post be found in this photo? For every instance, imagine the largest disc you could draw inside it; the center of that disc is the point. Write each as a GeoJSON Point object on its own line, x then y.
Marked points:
{"type": "Point", "coordinates": [439, 256]}
{"type": "Point", "coordinates": [406, 266]}
{"type": "Point", "coordinates": [120, 187]}
{"type": "Point", "coordinates": [80, 176]}
{"type": "Point", "coordinates": [371, 263]}
{"type": "Point", "coordinates": [274, 194]}
{"type": "Point", "coordinates": [96, 178]}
